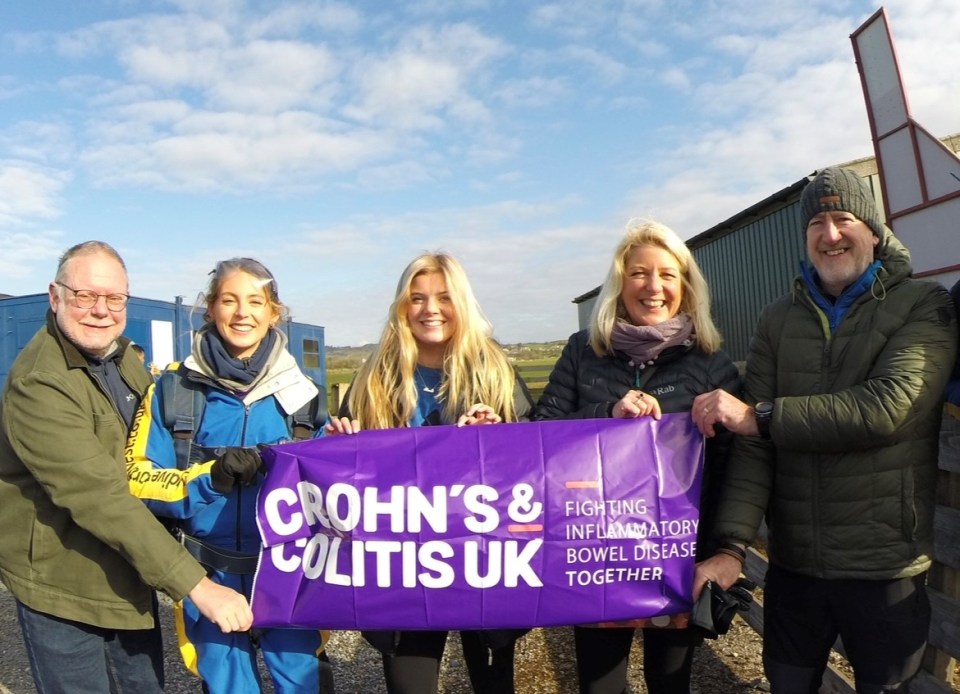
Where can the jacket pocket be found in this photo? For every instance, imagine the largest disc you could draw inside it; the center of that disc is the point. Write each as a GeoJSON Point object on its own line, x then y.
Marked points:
{"type": "Point", "coordinates": [45, 545]}
{"type": "Point", "coordinates": [109, 430]}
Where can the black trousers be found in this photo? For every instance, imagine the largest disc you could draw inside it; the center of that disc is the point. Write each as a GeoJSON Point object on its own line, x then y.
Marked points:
{"type": "Point", "coordinates": [414, 667]}
{"type": "Point", "coordinates": [603, 655]}
{"type": "Point", "coordinates": [883, 625]}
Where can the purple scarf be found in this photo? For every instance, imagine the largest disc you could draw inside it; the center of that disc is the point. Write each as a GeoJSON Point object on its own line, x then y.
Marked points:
{"type": "Point", "coordinates": [644, 343]}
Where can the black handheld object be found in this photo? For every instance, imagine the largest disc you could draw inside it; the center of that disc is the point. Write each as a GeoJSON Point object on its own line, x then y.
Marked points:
{"type": "Point", "coordinates": [715, 608]}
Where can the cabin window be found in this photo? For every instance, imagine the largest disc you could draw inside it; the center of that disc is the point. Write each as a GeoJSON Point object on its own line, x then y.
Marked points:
{"type": "Point", "coordinates": [311, 353]}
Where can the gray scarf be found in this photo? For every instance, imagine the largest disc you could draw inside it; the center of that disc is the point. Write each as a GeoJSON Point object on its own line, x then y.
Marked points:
{"type": "Point", "coordinates": [644, 343]}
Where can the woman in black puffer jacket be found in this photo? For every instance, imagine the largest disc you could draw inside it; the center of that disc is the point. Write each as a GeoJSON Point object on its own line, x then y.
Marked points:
{"type": "Point", "coordinates": [651, 348]}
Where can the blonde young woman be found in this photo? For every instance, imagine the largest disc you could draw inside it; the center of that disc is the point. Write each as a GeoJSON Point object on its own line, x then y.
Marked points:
{"type": "Point", "coordinates": [651, 348]}
{"type": "Point", "coordinates": [437, 363]}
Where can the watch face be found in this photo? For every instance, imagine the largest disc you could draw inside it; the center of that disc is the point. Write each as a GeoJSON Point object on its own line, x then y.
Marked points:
{"type": "Point", "coordinates": [763, 408]}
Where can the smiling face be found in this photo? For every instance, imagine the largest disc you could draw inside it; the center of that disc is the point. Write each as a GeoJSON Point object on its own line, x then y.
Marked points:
{"type": "Point", "coordinates": [840, 247]}
{"type": "Point", "coordinates": [93, 330]}
{"type": "Point", "coordinates": [242, 313]}
{"type": "Point", "coordinates": [652, 285]}
{"type": "Point", "coordinates": [432, 317]}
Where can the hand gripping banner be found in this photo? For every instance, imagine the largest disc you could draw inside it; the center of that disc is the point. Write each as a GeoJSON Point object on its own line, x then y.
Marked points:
{"type": "Point", "coordinates": [506, 525]}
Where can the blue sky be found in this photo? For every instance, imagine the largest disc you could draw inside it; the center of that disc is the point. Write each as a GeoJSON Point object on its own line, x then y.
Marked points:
{"type": "Point", "coordinates": [335, 141]}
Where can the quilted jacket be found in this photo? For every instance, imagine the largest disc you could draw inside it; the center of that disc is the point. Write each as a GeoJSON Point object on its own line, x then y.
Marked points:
{"type": "Point", "coordinates": [847, 479]}
{"type": "Point", "coordinates": [586, 386]}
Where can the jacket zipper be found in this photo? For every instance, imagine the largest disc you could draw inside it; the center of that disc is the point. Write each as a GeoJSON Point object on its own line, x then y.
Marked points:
{"type": "Point", "coordinates": [238, 526]}
{"type": "Point", "coordinates": [817, 479]}
{"type": "Point", "coordinates": [243, 442]}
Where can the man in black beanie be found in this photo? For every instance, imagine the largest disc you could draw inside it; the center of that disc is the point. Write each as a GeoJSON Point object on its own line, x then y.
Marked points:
{"type": "Point", "coordinates": [837, 448]}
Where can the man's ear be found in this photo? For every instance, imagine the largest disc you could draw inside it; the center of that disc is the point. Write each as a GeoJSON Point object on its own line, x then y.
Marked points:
{"type": "Point", "coordinates": [54, 292]}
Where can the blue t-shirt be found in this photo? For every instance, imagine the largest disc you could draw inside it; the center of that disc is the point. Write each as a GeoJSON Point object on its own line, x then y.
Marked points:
{"type": "Point", "coordinates": [428, 382]}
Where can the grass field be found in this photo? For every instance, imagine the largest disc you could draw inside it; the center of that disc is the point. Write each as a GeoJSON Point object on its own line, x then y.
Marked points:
{"type": "Point", "coordinates": [535, 373]}
{"type": "Point", "coordinates": [339, 376]}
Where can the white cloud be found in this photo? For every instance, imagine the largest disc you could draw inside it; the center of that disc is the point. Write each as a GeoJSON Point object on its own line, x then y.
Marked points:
{"type": "Point", "coordinates": [577, 19]}
{"type": "Point", "coordinates": [29, 196]}
{"type": "Point", "coordinates": [291, 19]}
{"type": "Point", "coordinates": [676, 78]}
{"type": "Point", "coordinates": [44, 143]}
{"type": "Point", "coordinates": [234, 151]}
{"type": "Point", "coordinates": [596, 63]}
{"type": "Point", "coordinates": [205, 109]}
{"type": "Point", "coordinates": [267, 76]}
{"type": "Point", "coordinates": [426, 77]}
{"type": "Point", "coordinates": [28, 192]}
{"type": "Point", "coordinates": [533, 92]}
{"type": "Point", "coordinates": [26, 254]}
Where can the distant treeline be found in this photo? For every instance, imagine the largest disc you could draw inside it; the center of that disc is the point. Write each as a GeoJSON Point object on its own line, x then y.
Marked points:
{"type": "Point", "coordinates": [352, 357]}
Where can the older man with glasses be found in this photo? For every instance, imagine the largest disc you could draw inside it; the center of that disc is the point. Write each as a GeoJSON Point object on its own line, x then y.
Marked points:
{"type": "Point", "coordinates": [78, 552]}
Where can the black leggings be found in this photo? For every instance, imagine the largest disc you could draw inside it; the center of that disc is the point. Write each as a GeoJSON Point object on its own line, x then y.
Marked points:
{"type": "Point", "coordinates": [603, 654]}
{"type": "Point", "coordinates": [414, 668]}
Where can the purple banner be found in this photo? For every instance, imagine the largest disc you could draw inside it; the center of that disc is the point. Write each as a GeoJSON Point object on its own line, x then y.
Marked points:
{"type": "Point", "coordinates": [509, 525]}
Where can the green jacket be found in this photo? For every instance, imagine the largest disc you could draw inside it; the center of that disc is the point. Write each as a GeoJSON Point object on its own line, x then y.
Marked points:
{"type": "Point", "coordinates": [75, 543]}
{"type": "Point", "coordinates": [847, 479]}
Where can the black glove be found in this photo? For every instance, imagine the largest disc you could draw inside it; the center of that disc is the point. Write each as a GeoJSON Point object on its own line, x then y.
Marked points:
{"type": "Point", "coordinates": [235, 465]}
{"type": "Point", "coordinates": [742, 592]}
{"type": "Point", "coordinates": [715, 608]}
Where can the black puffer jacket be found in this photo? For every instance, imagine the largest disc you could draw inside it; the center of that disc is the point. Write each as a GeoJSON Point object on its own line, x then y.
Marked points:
{"type": "Point", "coordinates": [586, 386]}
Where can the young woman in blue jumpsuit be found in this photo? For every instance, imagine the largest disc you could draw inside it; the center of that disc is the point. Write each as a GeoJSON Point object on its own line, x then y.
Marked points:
{"type": "Point", "coordinates": [251, 383]}
{"type": "Point", "coordinates": [437, 363]}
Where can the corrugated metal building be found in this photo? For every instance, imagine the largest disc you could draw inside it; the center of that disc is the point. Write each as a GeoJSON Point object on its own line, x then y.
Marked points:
{"type": "Point", "coordinates": [751, 258]}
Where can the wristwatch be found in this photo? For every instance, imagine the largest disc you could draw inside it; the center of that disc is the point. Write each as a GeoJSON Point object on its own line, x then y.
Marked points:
{"type": "Point", "coordinates": [763, 412]}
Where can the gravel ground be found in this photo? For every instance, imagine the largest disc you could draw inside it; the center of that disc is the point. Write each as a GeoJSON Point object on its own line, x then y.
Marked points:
{"type": "Point", "coordinates": [544, 662]}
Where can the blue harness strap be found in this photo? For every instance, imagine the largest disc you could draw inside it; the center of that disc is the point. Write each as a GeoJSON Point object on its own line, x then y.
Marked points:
{"type": "Point", "coordinates": [182, 403]}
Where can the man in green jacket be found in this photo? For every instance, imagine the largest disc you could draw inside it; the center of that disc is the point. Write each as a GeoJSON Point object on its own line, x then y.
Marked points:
{"type": "Point", "coordinates": [79, 552]}
{"type": "Point", "coordinates": [837, 447]}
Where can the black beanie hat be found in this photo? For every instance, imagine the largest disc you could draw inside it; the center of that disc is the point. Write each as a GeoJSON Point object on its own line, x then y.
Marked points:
{"type": "Point", "coordinates": [840, 190]}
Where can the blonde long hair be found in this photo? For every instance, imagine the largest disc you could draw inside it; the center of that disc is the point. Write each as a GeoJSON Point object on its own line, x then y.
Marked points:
{"type": "Point", "coordinates": [696, 295]}
{"type": "Point", "coordinates": [475, 368]}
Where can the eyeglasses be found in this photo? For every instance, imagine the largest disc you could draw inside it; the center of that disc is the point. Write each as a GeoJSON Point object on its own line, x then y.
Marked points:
{"type": "Point", "coordinates": [87, 298]}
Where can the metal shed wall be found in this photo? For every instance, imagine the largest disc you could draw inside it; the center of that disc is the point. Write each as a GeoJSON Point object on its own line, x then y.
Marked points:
{"type": "Point", "coordinates": [752, 259]}
{"type": "Point", "coordinates": [747, 269]}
